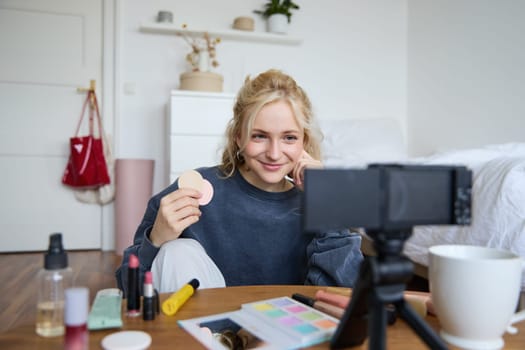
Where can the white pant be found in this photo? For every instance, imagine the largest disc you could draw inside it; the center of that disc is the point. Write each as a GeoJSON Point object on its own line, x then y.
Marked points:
{"type": "Point", "coordinates": [181, 260]}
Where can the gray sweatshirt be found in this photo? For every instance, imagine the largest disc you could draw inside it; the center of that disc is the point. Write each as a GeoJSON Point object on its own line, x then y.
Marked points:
{"type": "Point", "coordinates": [255, 237]}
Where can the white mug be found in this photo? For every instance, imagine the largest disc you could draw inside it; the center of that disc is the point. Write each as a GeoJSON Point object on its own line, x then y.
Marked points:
{"type": "Point", "coordinates": [475, 291]}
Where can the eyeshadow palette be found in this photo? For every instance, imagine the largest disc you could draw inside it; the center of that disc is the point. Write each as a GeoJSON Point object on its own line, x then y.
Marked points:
{"type": "Point", "coordinates": [298, 320]}
{"type": "Point", "coordinates": [279, 323]}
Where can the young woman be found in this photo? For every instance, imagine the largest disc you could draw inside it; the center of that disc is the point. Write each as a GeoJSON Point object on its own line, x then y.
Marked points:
{"type": "Point", "coordinates": [250, 233]}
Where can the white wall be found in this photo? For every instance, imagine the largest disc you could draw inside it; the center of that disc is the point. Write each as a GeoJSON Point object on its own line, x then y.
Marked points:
{"type": "Point", "coordinates": [450, 71]}
{"type": "Point", "coordinates": [352, 62]}
{"type": "Point", "coordinates": [466, 76]}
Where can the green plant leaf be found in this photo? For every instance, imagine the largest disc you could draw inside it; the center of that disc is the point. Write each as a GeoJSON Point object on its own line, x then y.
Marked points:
{"type": "Point", "coordinates": [278, 6]}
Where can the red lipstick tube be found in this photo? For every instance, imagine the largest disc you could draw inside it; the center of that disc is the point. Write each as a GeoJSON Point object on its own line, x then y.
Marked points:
{"type": "Point", "coordinates": [148, 299]}
{"type": "Point", "coordinates": [133, 287]}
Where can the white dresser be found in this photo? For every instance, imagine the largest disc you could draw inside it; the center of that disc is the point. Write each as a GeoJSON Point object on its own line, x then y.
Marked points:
{"type": "Point", "coordinates": [196, 125]}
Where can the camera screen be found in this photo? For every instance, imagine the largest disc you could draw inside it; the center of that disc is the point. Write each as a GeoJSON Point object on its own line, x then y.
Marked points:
{"type": "Point", "coordinates": [419, 197]}
{"type": "Point", "coordinates": [385, 197]}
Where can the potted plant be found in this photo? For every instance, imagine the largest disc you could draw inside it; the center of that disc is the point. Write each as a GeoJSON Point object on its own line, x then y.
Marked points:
{"type": "Point", "coordinates": [278, 13]}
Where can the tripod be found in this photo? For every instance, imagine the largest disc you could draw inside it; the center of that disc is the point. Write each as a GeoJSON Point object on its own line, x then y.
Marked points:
{"type": "Point", "coordinates": [382, 280]}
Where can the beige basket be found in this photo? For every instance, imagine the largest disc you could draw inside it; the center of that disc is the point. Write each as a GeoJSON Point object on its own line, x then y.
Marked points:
{"type": "Point", "coordinates": [243, 23]}
{"type": "Point", "coordinates": [201, 81]}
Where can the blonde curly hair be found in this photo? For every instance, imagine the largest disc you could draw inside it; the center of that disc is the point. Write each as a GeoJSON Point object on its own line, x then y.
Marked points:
{"type": "Point", "coordinates": [268, 87]}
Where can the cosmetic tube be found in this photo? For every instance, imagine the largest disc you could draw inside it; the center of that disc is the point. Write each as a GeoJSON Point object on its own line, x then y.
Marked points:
{"type": "Point", "coordinates": [133, 297]}
{"type": "Point", "coordinates": [171, 305]}
{"type": "Point", "coordinates": [148, 298]}
{"type": "Point", "coordinates": [329, 309]}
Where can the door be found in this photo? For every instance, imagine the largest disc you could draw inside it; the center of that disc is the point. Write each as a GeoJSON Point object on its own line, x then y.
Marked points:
{"type": "Point", "coordinates": [48, 49]}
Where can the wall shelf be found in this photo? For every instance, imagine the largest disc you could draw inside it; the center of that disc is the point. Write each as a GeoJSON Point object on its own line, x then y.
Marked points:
{"type": "Point", "coordinates": [229, 34]}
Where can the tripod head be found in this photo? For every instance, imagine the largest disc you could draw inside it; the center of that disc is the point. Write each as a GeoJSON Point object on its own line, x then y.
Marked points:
{"type": "Point", "coordinates": [389, 244]}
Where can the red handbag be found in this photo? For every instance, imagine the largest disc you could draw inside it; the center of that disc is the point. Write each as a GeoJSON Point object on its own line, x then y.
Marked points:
{"type": "Point", "coordinates": [86, 167]}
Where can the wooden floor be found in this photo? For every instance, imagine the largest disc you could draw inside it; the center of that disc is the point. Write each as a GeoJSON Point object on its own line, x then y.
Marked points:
{"type": "Point", "coordinates": [18, 286]}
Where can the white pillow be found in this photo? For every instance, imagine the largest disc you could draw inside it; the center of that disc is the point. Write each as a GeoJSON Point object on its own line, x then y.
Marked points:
{"type": "Point", "coordinates": [474, 158]}
{"type": "Point", "coordinates": [357, 142]}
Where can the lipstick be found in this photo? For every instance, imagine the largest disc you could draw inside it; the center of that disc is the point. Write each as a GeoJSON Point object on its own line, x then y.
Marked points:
{"type": "Point", "coordinates": [148, 298]}
{"type": "Point", "coordinates": [133, 287]}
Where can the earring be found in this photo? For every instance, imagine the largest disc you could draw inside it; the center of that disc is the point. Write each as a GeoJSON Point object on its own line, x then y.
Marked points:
{"type": "Point", "coordinates": [239, 156]}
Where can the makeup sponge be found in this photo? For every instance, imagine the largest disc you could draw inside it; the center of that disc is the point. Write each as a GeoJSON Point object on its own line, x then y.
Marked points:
{"type": "Point", "coordinates": [193, 179]}
{"type": "Point", "coordinates": [207, 192]}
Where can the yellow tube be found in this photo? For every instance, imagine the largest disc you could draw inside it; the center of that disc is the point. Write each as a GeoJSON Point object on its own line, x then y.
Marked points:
{"type": "Point", "coordinates": [171, 305]}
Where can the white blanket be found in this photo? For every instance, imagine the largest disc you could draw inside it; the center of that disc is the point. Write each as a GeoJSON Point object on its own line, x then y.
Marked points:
{"type": "Point", "coordinates": [498, 203]}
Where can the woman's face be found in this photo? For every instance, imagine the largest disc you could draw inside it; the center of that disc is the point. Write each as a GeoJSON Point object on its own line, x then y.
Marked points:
{"type": "Point", "coordinates": [273, 148]}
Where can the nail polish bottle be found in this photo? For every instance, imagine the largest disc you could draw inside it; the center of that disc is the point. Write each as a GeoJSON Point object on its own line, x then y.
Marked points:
{"type": "Point", "coordinates": [76, 311]}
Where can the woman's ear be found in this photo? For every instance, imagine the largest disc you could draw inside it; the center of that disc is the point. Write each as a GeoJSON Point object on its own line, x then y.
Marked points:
{"type": "Point", "coordinates": [238, 141]}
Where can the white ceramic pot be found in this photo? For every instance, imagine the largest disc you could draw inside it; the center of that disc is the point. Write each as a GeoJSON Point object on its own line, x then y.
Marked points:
{"type": "Point", "coordinates": [278, 23]}
{"type": "Point", "coordinates": [204, 61]}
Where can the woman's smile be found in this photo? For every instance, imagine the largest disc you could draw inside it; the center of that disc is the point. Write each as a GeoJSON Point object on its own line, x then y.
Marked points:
{"type": "Point", "coordinates": [271, 166]}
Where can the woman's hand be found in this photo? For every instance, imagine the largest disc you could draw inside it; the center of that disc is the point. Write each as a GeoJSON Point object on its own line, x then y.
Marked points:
{"type": "Point", "coordinates": [305, 161]}
{"type": "Point", "coordinates": [177, 211]}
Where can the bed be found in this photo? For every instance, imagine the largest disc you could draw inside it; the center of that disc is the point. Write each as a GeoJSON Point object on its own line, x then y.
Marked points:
{"type": "Point", "coordinates": [498, 191]}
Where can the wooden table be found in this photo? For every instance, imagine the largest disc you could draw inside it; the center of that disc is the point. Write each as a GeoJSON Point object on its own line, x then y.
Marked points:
{"type": "Point", "coordinates": [166, 334]}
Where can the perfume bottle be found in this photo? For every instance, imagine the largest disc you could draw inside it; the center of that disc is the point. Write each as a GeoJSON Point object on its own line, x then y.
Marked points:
{"type": "Point", "coordinates": [52, 281]}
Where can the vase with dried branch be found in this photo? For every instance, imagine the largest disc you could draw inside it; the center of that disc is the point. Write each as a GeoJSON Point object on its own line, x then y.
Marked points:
{"type": "Point", "coordinates": [203, 51]}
